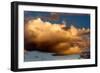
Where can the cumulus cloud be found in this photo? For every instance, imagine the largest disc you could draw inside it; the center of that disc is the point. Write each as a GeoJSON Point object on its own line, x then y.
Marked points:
{"type": "Point", "coordinates": [55, 38]}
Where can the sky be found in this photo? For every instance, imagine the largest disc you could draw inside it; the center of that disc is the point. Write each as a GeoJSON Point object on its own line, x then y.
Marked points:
{"type": "Point", "coordinates": [76, 19]}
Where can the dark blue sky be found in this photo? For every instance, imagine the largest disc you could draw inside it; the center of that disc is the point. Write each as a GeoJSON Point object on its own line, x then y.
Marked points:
{"type": "Point", "coordinates": [78, 20]}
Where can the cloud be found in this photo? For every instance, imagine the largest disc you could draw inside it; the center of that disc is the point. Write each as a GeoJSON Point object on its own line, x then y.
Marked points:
{"type": "Point", "coordinates": [48, 37]}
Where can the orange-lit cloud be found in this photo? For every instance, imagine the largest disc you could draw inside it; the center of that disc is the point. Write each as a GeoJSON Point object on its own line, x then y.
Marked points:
{"type": "Point", "coordinates": [49, 37]}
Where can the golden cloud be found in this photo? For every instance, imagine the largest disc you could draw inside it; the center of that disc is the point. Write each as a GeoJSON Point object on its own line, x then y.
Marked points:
{"type": "Point", "coordinates": [55, 38]}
